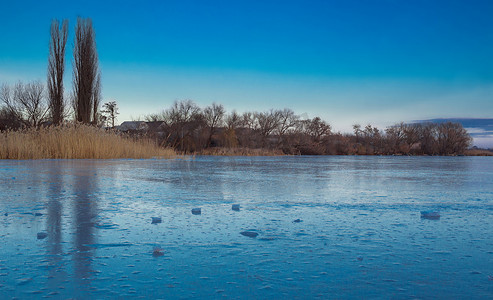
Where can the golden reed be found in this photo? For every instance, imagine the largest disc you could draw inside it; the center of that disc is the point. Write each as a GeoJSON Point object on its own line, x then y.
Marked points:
{"type": "Point", "coordinates": [75, 142]}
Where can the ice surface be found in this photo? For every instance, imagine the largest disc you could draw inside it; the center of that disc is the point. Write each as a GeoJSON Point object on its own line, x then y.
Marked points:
{"type": "Point", "coordinates": [362, 234]}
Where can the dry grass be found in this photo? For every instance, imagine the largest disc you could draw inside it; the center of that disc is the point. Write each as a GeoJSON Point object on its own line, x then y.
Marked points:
{"type": "Point", "coordinates": [75, 142]}
{"type": "Point", "coordinates": [220, 151]}
{"type": "Point", "coordinates": [478, 152]}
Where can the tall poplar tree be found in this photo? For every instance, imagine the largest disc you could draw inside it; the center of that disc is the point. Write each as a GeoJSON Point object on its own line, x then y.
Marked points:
{"type": "Point", "coordinates": [86, 77]}
{"type": "Point", "coordinates": [56, 69]}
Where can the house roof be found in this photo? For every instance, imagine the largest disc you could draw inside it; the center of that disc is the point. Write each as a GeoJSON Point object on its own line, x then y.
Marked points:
{"type": "Point", "coordinates": [133, 125]}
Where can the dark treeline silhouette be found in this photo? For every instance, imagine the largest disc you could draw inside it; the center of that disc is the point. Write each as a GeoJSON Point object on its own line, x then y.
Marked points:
{"type": "Point", "coordinates": [189, 129]}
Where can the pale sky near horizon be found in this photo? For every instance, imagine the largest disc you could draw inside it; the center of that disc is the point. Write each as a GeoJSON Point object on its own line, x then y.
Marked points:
{"type": "Point", "coordinates": [378, 62]}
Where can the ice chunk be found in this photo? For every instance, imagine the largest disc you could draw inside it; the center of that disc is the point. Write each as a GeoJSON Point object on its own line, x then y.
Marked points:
{"type": "Point", "coordinates": [236, 207]}
{"type": "Point", "coordinates": [251, 234]}
{"type": "Point", "coordinates": [196, 211]}
{"type": "Point", "coordinates": [430, 215]}
{"type": "Point", "coordinates": [156, 220]}
{"type": "Point", "coordinates": [157, 252]}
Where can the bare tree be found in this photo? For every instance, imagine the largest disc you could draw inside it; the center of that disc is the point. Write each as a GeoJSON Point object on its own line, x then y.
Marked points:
{"type": "Point", "coordinates": [452, 138]}
{"type": "Point", "coordinates": [428, 134]}
{"type": "Point", "coordinates": [12, 108]}
{"type": "Point", "coordinates": [287, 121]}
{"type": "Point", "coordinates": [233, 120]}
{"type": "Point", "coordinates": [183, 121]}
{"type": "Point", "coordinates": [248, 120]}
{"type": "Point", "coordinates": [32, 100]}
{"type": "Point", "coordinates": [213, 116]}
{"type": "Point", "coordinates": [357, 131]}
{"type": "Point", "coordinates": [153, 117]}
{"type": "Point", "coordinates": [182, 111]}
{"type": "Point", "coordinates": [87, 77]}
{"type": "Point", "coordinates": [26, 103]}
{"type": "Point", "coordinates": [56, 68]}
{"type": "Point", "coordinates": [267, 122]}
{"type": "Point", "coordinates": [110, 111]}
{"type": "Point", "coordinates": [317, 129]}
{"type": "Point", "coordinates": [311, 136]}
{"type": "Point", "coordinates": [372, 138]}
{"type": "Point", "coordinates": [395, 136]}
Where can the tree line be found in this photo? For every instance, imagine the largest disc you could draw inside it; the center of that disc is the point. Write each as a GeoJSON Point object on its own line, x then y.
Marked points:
{"type": "Point", "coordinates": [32, 104]}
{"type": "Point", "coordinates": [188, 128]}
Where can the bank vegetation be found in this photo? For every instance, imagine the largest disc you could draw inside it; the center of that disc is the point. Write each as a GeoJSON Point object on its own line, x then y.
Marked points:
{"type": "Point", "coordinates": [76, 142]}
{"type": "Point", "coordinates": [190, 129]}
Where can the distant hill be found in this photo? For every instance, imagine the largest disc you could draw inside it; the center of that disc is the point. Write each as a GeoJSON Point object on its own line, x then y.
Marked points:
{"type": "Point", "coordinates": [481, 130]}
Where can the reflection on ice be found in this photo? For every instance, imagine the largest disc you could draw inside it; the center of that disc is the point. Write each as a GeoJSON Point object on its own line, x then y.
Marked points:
{"type": "Point", "coordinates": [320, 227]}
{"type": "Point", "coordinates": [84, 211]}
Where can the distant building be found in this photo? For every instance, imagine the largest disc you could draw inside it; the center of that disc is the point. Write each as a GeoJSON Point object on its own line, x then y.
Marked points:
{"type": "Point", "coordinates": [133, 126]}
{"type": "Point", "coordinates": [156, 126]}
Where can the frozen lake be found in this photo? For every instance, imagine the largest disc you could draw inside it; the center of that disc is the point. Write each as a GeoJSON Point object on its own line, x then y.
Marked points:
{"type": "Point", "coordinates": [82, 228]}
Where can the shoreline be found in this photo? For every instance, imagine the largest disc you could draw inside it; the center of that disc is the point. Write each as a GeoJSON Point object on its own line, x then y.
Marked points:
{"type": "Point", "coordinates": [253, 153]}
{"type": "Point", "coordinates": [273, 152]}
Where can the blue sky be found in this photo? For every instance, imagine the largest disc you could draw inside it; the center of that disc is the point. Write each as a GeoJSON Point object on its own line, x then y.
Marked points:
{"type": "Point", "coordinates": [349, 62]}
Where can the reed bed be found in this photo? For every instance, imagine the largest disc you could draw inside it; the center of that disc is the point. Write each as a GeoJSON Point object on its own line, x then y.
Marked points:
{"type": "Point", "coordinates": [478, 152]}
{"type": "Point", "coordinates": [75, 142]}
